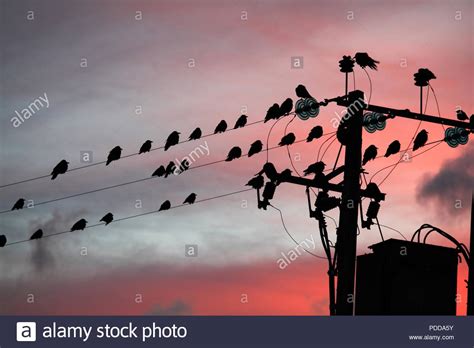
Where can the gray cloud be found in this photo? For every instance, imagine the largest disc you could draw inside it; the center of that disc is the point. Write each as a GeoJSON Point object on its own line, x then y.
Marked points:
{"type": "Point", "coordinates": [451, 188]}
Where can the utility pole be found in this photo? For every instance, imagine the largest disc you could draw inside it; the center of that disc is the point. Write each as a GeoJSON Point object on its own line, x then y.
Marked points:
{"type": "Point", "coordinates": [346, 243]}
{"type": "Point", "coordinates": [349, 135]}
{"type": "Point", "coordinates": [470, 281]}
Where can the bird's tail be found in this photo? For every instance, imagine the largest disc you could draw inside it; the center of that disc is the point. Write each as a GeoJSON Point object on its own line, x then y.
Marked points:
{"type": "Point", "coordinates": [54, 176]}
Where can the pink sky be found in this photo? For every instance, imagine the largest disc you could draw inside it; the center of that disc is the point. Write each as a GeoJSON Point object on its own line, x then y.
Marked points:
{"type": "Point", "coordinates": [238, 63]}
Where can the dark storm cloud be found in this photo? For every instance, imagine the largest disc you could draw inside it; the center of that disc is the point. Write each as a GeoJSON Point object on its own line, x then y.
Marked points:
{"type": "Point", "coordinates": [451, 188]}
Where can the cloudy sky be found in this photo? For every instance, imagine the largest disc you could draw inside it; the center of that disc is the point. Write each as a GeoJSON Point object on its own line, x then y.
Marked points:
{"type": "Point", "coordinates": [193, 63]}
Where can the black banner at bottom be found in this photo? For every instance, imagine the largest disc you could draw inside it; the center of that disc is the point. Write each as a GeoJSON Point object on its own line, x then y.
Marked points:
{"type": "Point", "coordinates": [194, 331]}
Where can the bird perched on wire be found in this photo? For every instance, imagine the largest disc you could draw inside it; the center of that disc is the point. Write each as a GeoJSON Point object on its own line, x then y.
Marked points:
{"type": "Point", "coordinates": [166, 205]}
{"type": "Point", "coordinates": [287, 139]}
{"type": "Point", "coordinates": [160, 171]}
{"type": "Point", "coordinates": [420, 139]}
{"type": "Point", "coordinates": [269, 170]}
{"type": "Point", "coordinates": [461, 115]}
{"type": "Point", "coordinates": [170, 168]}
{"type": "Point", "coordinates": [114, 155]}
{"type": "Point", "coordinates": [146, 147]}
{"type": "Point", "coordinates": [315, 133]}
{"type": "Point", "coordinates": [234, 153]}
{"type": "Point", "coordinates": [60, 168]}
{"type": "Point", "coordinates": [393, 148]}
{"type": "Point", "coordinates": [369, 154]}
{"type": "Point", "coordinates": [19, 204]}
{"type": "Point", "coordinates": [256, 182]}
{"type": "Point", "coordinates": [302, 92]}
{"type": "Point", "coordinates": [241, 122]}
{"type": "Point", "coordinates": [255, 147]}
{"type": "Point", "coordinates": [364, 60]}
{"type": "Point", "coordinates": [173, 139]}
{"type": "Point", "coordinates": [315, 168]}
{"type": "Point", "coordinates": [190, 199]}
{"type": "Point", "coordinates": [221, 127]}
{"type": "Point", "coordinates": [286, 106]}
{"type": "Point", "coordinates": [107, 218]}
{"type": "Point", "coordinates": [184, 165]}
{"type": "Point", "coordinates": [79, 225]}
{"type": "Point", "coordinates": [37, 235]}
{"type": "Point", "coordinates": [273, 113]}
{"type": "Point", "coordinates": [196, 134]}
{"type": "Point", "coordinates": [373, 191]}
{"type": "Point", "coordinates": [3, 240]}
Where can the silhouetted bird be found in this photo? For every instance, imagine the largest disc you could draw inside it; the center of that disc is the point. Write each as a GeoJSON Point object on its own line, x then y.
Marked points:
{"type": "Point", "coordinates": [79, 225]}
{"type": "Point", "coordinates": [107, 218]}
{"type": "Point", "coordinates": [114, 155]}
{"type": "Point", "coordinates": [146, 147]}
{"type": "Point", "coordinates": [234, 153]}
{"type": "Point", "coordinates": [160, 171]}
{"type": "Point", "coordinates": [173, 139]}
{"type": "Point", "coordinates": [372, 190]}
{"type": "Point", "coordinates": [286, 106]}
{"type": "Point", "coordinates": [170, 168]}
{"type": "Point", "coordinates": [287, 139]}
{"type": "Point", "coordinates": [165, 205]}
{"type": "Point", "coordinates": [3, 240]}
{"type": "Point", "coordinates": [241, 122]}
{"type": "Point", "coordinates": [315, 133]}
{"type": "Point", "coordinates": [37, 235]}
{"type": "Point", "coordinates": [302, 92]}
{"type": "Point", "coordinates": [184, 165]}
{"type": "Point", "coordinates": [256, 182]}
{"type": "Point", "coordinates": [221, 127]}
{"type": "Point", "coordinates": [420, 139]}
{"type": "Point", "coordinates": [461, 115]}
{"type": "Point", "coordinates": [369, 154]}
{"type": "Point", "coordinates": [269, 170]}
{"type": "Point", "coordinates": [393, 148]}
{"type": "Point", "coordinates": [256, 147]}
{"type": "Point", "coordinates": [315, 168]}
{"type": "Point", "coordinates": [196, 134]}
{"type": "Point", "coordinates": [19, 204]}
{"type": "Point", "coordinates": [190, 199]}
{"type": "Point", "coordinates": [273, 113]}
{"type": "Point", "coordinates": [60, 168]}
{"type": "Point", "coordinates": [363, 60]}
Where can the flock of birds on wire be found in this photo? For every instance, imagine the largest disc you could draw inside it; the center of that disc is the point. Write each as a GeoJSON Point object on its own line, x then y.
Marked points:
{"type": "Point", "coordinates": [275, 112]}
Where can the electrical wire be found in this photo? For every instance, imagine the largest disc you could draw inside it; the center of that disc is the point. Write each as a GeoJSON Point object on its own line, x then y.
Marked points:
{"type": "Point", "coordinates": [136, 215]}
{"type": "Point", "coordinates": [292, 238]}
{"type": "Point", "coordinates": [135, 181]}
{"type": "Point", "coordinates": [436, 143]}
{"type": "Point", "coordinates": [122, 157]}
{"type": "Point", "coordinates": [411, 141]}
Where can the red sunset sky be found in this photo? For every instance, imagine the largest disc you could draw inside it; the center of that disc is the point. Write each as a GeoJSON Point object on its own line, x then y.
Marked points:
{"type": "Point", "coordinates": [238, 63]}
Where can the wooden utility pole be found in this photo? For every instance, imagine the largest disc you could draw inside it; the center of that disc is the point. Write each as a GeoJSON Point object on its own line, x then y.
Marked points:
{"type": "Point", "coordinates": [350, 136]}
{"type": "Point", "coordinates": [346, 243]}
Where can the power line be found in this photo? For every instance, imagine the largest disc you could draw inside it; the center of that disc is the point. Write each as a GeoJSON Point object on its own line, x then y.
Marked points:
{"type": "Point", "coordinates": [436, 143]}
{"type": "Point", "coordinates": [293, 239]}
{"type": "Point", "coordinates": [126, 156]}
{"type": "Point", "coordinates": [137, 215]}
{"type": "Point", "coordinates": [134, 181]}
